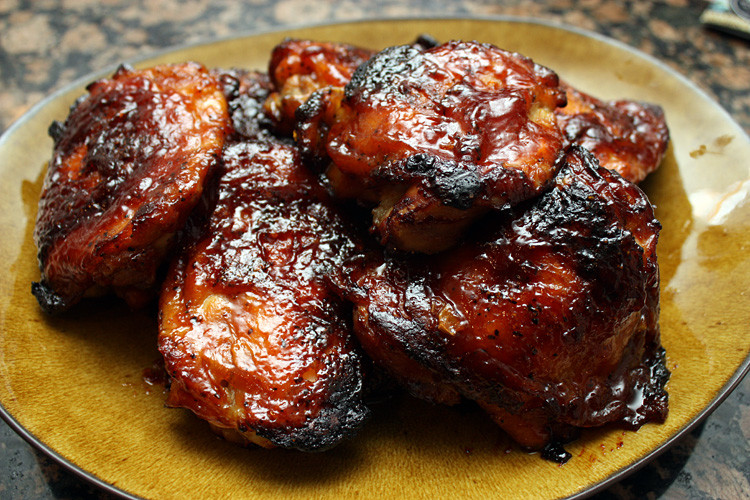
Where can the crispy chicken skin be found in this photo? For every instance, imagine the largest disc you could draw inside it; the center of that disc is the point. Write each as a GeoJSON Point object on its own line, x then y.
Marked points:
{"type": "Point", "coordinates": [629, 137]}
{"type": "Point", "coordinates": [254, 339]}
{"type": "Point", "coordinates": [300, 67]}
{"type": "Point", "coordinates": [548, 319]}
{"type": "Point", "coordinates": [128, 166]}
{"type": "Point", "coordinates": [436, 137]}
{"type": "Point", "coordinates": [246, 92]}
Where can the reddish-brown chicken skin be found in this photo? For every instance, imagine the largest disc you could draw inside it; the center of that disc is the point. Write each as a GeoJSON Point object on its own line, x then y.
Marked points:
{"type": "Point", "coordinates": [129, 164]}
{"type": "Point", "coordinates": [629, 137]}
{"type": "Point", "coordinates": [547, 319]}
{"type": "Point", "coordinates": [436, 137]}
{"type": "Point", "coordinates": [300, 67]}
{"type": "Point", "coordinates": [254, 339]}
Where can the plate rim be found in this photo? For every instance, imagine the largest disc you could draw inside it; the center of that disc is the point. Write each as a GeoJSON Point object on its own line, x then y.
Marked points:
{"type": "Point", "coordinates": [732, 382]}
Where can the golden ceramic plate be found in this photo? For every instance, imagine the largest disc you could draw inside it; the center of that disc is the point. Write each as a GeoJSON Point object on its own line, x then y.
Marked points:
{"type": "Point", "coordinates": [75, 387]}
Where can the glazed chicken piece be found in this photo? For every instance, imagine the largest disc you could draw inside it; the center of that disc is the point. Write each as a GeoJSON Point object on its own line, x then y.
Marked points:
{"type": "Point", "coordinates": [128, 166]}
{"type": "Point", "coordinates": [254, 339]}
{"type": "Point", "coordinates": [548, 319]}
{"type": "Point", "coordinates": [629, 137]}
{"type": "Point", "coordinates": [300, 67]}
{"type": "Point", "coordinates": [436, 138]}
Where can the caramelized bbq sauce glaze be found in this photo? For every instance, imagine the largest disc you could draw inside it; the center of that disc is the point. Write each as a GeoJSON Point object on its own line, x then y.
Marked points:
{"type": "Point", "coordinates": [629, 137]}
{"type": "Point", "coordinates": [547, 318]}
{"type": "Point", "coordinates": [436, 137]}
{"type": "Point", "coordinates": [246, 92]}
{"type": "Point", "coordinates": [129, 164]}
{"type": "Point", "coordinates": [298, 68]}
{"type": "Point", "coordinates": [254, 339]}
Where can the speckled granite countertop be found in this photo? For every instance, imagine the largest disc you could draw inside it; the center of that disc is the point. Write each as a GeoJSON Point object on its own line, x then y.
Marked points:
{"type": "Point", "coordinates": [45, 44]}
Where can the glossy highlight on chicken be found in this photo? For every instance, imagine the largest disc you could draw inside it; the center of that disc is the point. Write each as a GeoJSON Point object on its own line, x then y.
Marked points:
{"type": "Point", "coordinates": [128, 167]}
{"type": "Point", "coordinates": [254, 340]}
{"type": "Point", "coordinates": [300, 67]}
{"type": "Point", "coordinates": [627, 136]}
{"type": "Point", "coordinates": [547, 319]}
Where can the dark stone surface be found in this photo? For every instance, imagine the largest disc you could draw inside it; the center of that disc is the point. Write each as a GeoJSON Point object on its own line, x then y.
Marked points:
{"type": "Point", "coordinates": [45, 44]}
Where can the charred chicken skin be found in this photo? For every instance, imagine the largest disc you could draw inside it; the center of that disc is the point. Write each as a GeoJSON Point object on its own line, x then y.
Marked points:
{"type": "Point", "coordinates": [254, 339]}
{"type": "Point", "coordinates": [629, 137]}
{"type": "Point", "coordinates": [436, 137]}
{"type": "Point", "coordinates": [246, 93]}
{"type": "Point", "coordinates": [300, 67]}
{"type": "Point", "coordinates": [548, 319]}
{"type": "Point", "coordinates": [128, 166]}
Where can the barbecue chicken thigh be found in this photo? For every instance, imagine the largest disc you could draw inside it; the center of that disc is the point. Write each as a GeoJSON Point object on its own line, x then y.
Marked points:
{"type": "Point", "coordinates": [629, 137]}
{"type": "Point", "coordinates": [436, 137]}
{"type": "Point", "coordinates": [128, 166]}
{"type": "Point", "coordinates": [547, 319]}
{"type": "Point", "coordinates": [254, 339]}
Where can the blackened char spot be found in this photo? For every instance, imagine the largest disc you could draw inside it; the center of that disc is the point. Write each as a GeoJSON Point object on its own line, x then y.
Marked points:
{"type": "Point", "coordinates": [555, 452]}
{"type": "Point", "coordinates": [311, 129]}
{"type": "Point", "coordinates": [246, 92]}
{"type": "Point", "coordinates": [312, 107]}
{"type": "Point", "coordinates": [384, 70]}
{"type": "Point", "coordinates": [51, 302]}
{"type": "Point", "coordinates": [650, 390]}
{"type": "Point", "coordinates": [425, 42]}
{"type": "Point", "coordinates": [55, 130]}
{"type": "Point", "coordinates": [455, 184]}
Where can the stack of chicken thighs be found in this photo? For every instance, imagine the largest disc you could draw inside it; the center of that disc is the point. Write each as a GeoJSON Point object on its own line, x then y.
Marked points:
{"type": "Point", "coordinates": [453, 216]}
